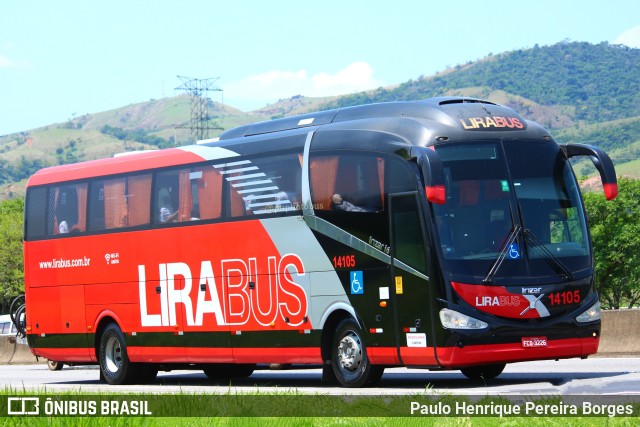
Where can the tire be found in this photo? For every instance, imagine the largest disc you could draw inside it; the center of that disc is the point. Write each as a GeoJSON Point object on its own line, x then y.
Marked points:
{"type": "Point", "coordinates": [349, 360]}
{"type": "Point", "coordinates": [218, 371]}
{"type": "Point", "coordinates": [486, 372]}
{"type": "Point", "coordinates": [114, 362]}
{"type": "Point", "coordinates": [54, 366]}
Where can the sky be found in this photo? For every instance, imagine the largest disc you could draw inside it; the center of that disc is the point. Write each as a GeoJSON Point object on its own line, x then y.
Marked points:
{"type": "Point", "coordinates": [66, 58]}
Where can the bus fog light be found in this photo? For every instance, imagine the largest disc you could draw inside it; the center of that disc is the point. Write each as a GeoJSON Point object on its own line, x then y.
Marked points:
{"type": "Point", "coordinates": [593, 313]}
{"type": "Point", "coordinates": [451, 319]}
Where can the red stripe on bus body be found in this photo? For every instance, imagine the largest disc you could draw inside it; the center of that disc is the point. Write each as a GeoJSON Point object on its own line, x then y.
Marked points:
{"type": "Point", "coordinates": [302, 355]}
{"type": "Point", "coordinates": [418, 356]}
{"type": "Point", "coordinates": [207, 354]}
{"type": "Point", "coordinates": [452, 357]}
{"type": "Point", "coordinates": [157, 354]}
{"type": "Point", "coordinates": [414, 356]}
{"type": "Point", "coordinates": [383, 355]}
{"type": "Point", "coordinates": [496, 300]}
{"type": "Point", "coordinates": [311, 355]}
{"type": "Point", "coordinates": [65, 354]}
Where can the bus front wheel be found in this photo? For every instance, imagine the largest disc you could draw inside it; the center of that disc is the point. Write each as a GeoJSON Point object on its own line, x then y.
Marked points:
{"type": "Point", "coordinates": [349, 357]}
{"type": "Point", "coordinates": [486, 372]}
{"type": "Point", "coordinates": [114, 362]}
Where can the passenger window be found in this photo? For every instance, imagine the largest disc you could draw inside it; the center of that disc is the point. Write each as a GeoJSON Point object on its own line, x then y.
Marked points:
{"type": "Point", "coordinates": [262, 186]}
{"type": "Point", "coordinates": [120, 202]}
{"type": "Point", "coordinates": [36, 213]}
{"type": "Point", "coordinates": [351, 191]}
{"type": "Point", "coordinates": [68, 209]}
{"type": "Point", "coordinates": [167, 196]}
{"type": "Point", "coordinates": [188, 195]}
{"type": "Point", "coordinates": [349, 182]}
{"type": "Point", "coordinates": [205, 192]}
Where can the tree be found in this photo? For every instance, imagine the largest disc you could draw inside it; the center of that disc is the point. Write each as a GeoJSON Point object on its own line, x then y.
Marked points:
{"type": "Point", "coordinates": [615, 233]}
{"type": "Point", "coordinates": [11, 263]}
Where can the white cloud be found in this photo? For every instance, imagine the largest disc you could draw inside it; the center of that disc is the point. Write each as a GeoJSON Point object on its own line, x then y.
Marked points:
{"type": "Point", "coordinates": [631, 37]}
{"type": "Point", "coordinates": [5, 62]}
{"type": "Point", "coordinates": [256, 90]}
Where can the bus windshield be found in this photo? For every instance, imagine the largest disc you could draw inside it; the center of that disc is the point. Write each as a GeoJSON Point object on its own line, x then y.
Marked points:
{"type": "Point", "coordinates": [513, 213]}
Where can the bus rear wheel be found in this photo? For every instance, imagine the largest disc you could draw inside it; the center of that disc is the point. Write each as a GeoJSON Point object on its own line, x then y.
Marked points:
{"type": "Point", "coordinates": [349, 357]}
{"type": "Point", "coordinates": [114, 362]}
{"type": "Point", "coordinates": [54, 366]}
{"type": "Point", "coordinates": [486, 372]}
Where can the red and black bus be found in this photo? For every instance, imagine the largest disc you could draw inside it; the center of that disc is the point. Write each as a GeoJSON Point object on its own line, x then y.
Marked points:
{"type": "Point", "coordinates": [447, 233]}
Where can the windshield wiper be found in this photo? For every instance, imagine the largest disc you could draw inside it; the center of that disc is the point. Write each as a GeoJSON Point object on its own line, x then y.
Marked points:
{"type": "Point", "coordinates": [503, 253]}
{"type": "Point", "coordinates": [549, 257]}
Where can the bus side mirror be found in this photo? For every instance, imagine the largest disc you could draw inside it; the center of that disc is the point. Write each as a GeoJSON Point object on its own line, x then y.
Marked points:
{"type": "Point", "coordinates": [601, 161]}
{"type": "Point", "coordinates": [433, 174]}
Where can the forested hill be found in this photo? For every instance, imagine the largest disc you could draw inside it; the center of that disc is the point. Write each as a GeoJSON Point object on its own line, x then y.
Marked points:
{"type": "Point", "coordinates": [597, 83]}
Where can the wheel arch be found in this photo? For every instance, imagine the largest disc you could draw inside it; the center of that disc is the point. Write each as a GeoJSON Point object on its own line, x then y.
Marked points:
{"type": "Point", "coordinates": [330, 319]}
{"type": "Point", "coordinates": [103, 320]}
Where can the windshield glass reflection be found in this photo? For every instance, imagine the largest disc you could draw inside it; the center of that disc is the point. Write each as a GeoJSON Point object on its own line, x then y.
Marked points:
{"type": "Point", "coordinates": [513, 205]}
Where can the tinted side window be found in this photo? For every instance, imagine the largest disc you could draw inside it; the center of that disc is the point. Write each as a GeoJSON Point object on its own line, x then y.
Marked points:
{"type": "Point", "coordinates": [119, 202]}
{"type": "Point", "coordinates": [205, 192]}
{"type": "Point", "coordinates": [348, 182]}
{"type": "Point", "coordinates": [168, 188]}
{"type": "Point", "coordinates": [264, 185]}
{"type": "Point", "coordinates": [67, 209]}
{"type": "Point", "coordinates": [189, 194]}
{"type": "Point", "coordinates": [408, 243]}
{"type": "Point", "coordinates": [364, 180]}
{"type": "Point", "coordinates": [351, 190]}
{"type": "Point", "coordinates": [36, 211]}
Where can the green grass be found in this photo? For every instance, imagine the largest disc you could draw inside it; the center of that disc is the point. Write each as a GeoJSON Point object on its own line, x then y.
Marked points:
{"type": "Point", "coordinates": [296, 409]}
{"type": "Point", "coordinates": [629, 169]}
{"type": "Point", "coordinates": [322, 422]}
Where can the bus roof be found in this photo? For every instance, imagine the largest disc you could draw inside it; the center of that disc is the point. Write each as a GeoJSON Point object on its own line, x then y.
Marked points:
{"type": "Point", "coordinates": [420, 123]}
{"type": "Point", "coordinates": [464, 114]}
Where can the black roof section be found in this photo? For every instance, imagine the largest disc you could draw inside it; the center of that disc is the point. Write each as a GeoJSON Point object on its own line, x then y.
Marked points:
{"type": "Point", "coordinates": [449, 115]}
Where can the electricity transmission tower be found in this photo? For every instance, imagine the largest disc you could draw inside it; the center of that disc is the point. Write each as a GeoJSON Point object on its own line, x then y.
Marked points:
{"type": "Point", "coordinates": [200, 122]}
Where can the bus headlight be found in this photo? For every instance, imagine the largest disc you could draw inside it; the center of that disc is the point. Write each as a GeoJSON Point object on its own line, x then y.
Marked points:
{"type": "Point", "coordinates": [451, 319]}
{"type": "Point", "coordinates": [593, 313]}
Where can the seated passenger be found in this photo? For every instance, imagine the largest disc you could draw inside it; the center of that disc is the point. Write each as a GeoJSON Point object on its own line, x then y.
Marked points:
{"type": "Point", "coordinates": [167, 213]}
{"type": "Point", "coordinates": [63, 227]}
{"type": "Point", "coordinates": [338, 203]}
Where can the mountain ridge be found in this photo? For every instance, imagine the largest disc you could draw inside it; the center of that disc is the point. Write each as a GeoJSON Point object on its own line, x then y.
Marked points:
{"type": "Point", "coordinates": [581, 92]}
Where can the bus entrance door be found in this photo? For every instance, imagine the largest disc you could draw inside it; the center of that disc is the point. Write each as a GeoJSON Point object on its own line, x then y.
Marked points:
{"type": "Point", "coordinates": [409, 293]}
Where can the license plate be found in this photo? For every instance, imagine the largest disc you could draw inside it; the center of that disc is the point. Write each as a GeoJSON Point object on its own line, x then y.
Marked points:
{"type": "Point", "coordinates": [530, 342]}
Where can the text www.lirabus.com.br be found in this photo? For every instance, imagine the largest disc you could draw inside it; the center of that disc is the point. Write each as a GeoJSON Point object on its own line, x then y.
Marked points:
{"type": "Point", "coordinates": [65, 263]}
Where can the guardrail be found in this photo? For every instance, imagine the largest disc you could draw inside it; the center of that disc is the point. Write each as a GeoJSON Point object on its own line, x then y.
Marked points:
{"type": "Point", "coordinates": [15, 351]}
{"type": "Point", "coordinates": [620, 334]}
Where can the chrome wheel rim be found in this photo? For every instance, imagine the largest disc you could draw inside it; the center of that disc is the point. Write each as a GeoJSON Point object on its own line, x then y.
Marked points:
{"type": "Point", "coordinates": [350, 351]}
{"type": "Point", "coordinates": [113, 358]}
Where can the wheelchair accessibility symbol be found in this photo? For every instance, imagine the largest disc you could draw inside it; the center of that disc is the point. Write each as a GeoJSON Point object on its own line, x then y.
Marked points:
{"type": "Point", "coordinates": [514, 251]}
{"type": "Point", "coordinates": [357, 283]}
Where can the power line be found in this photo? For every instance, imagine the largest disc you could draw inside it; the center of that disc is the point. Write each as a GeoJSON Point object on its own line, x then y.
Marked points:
{"type": "Point", "coordinates": [200, 122]}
